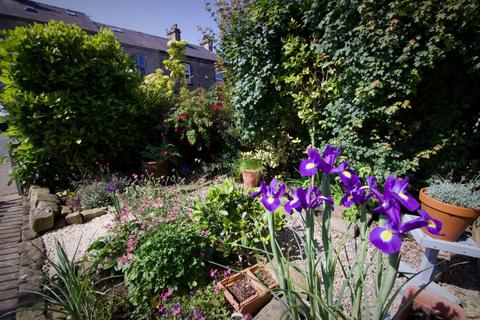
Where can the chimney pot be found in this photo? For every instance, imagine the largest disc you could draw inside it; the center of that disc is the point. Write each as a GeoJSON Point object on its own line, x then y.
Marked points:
{"type": "Point", "coordinates": [174, 33]}
{"type": "Point", "coordinates": [207, 43]}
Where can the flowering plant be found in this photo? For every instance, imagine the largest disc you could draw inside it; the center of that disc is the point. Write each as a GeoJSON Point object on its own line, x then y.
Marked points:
{"type": "Point", "coordinates": [387, 237]}
{"type": "Point", "coordinates": [166, 151]}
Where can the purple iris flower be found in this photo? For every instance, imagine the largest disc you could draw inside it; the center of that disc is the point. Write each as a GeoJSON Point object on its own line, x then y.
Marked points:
{"type": "Point", "coordinates": [270, 194]}
{"type": "Point", "coordinates": [348, 176]}
{"type": "Point", "coordinates": [434, 226]}
{"type": "Point", "coordinates": [295, 200]}
{"type": "Point", "coordinates": [111, 187]}
{"type": "Point", "coordinates": [313, 198]}
{"type": "Point", "coordinates": [325, 162]}
{"type": "Point", "coordinates": [389, 238]}
{"type": "Point", "coordinates": [398, 189]}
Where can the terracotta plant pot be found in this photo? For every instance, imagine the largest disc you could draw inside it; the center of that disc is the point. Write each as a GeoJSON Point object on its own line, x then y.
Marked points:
{"type": "Point", "coordinates": [156, 168]}
{"type": "Point", "coordinates": [253, 303]}
{"type": "Point", "coordinates": [431, 303]}
{"type": "Point", "coordinates": [251, 178]}
{"type": "Point", "coordinates": [454, 219]}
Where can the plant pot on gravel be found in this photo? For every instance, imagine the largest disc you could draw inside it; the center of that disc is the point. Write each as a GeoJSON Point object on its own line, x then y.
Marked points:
{"type": "Point", "coordinates": [251, 171]}
{"type": "Point", "coordinates": [157, 160]}
{"type": "Point", "coordinates": [427, 305]}
{"type": "Point", "coordinates": [245, 293]}
{"type": "Point", "coordinates": [456, 205]}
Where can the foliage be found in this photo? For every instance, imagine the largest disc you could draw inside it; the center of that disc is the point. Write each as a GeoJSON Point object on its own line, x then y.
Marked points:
{"type": "Point", "coordinates": [175, 63]}
{"type": "Point", "coordinates": [70, 291]}
{"type": "Point", "coordinates": [170, 255]}
{"type": "Point", "coordinates": [463, 194]}
{"type": "Point", "coordinates": [231, 219]}
{"type": "Point", "coordinates": [249, 164]}
{"type": "Point", "coordinates": [72, 99]}
{"type": "Point", "coordinates": [205, 303]}
{"type": "Point", "coordinates": [163, 152]}
{"type": "Point", "coordinates": [94, 195]}
{"type": "Point", "coordinates": [394, 82]}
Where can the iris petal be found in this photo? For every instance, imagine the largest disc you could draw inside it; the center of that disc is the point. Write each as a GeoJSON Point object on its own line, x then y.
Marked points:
{"type": "Point", "coordinates": [386, 240]}
{"type": "Point", "coordinates": [270, 203]}
{"type": "Point", "coordinates": [308, 167]}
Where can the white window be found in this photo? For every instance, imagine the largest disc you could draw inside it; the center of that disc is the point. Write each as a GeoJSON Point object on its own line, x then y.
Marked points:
{"type": "Point", "coordinates": [188, 73]}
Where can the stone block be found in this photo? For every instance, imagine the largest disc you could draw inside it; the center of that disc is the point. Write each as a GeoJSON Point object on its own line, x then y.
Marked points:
{"type": "Point", "coordinates": [74, 218]}
{"type": "Point", "coordinates": [41, 219]}
{"type": "Point", "coordinates": [42, 195]}
{"type": "Point", "coordinates": [275, 309]}
{"type": "Point", "coordinates": [93, 213]}
{"type": "Point", "coordinates": [37, 188]}
{"type": "Point", "coordinates": [65, 210]}
{"type": "Point", "coordinates": [48, 204]}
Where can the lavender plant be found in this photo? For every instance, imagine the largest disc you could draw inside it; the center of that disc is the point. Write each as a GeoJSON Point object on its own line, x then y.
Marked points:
{"type": "Point", "coordinates": [320, 270]}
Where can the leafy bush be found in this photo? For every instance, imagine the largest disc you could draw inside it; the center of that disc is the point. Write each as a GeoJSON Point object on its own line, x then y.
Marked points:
{"type": "Point", "coordinates": [396, 83]}
{"type": "Point", "coordinates": [231, 219]}
{"type": "Point", "coordinates": [73, 99]}
{"type": "Point", "coordinates": [94, 196]}
{"type": "Point", "coordinates": [169, 256]}
{"type": "Point", "coordinates": [205, 303]}
{"type": "Point", "coordinates": [461, 194]}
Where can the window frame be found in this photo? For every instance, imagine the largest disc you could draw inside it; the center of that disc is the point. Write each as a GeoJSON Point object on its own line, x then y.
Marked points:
{"type": "Point", "coordinates": [188, 73]}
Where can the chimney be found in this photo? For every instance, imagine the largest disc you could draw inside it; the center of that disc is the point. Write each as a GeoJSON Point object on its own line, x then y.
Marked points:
{"type": "Point", "coordinates": [174, 33]}
{"type": "Point", "coordinates": [207, 43]}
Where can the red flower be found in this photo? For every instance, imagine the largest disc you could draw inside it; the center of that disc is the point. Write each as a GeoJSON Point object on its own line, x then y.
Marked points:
{"type": "Point", "coordinates": [182, 117]}
{"type": "Point", "coordinates": [177, 130]}
{"type": "Point", "coordinates": [217, 106]}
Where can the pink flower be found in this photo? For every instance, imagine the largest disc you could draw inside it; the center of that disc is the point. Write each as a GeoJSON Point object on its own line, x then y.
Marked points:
{"type": "Point", "coordinates": [226, 273]}
{"type": "Point", "coordinates": [202, 254]}
{"type": "Point", "coordinates": [176, 310]}
{"type": "Point", "coordinates": [217, 288]}
{"type": "Point", "coordinates": [165, 295]}
{"type": "Point", "coordinates": [161, 308]}
{"type": "Point", "coordinates": [213, 273]}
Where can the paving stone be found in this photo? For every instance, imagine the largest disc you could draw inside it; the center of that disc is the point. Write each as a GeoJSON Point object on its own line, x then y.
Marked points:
{"type": "Point", "coordinates": [11, 249]}
{"type": "Point", "coordinates": [88, 215]}
{"type": "Point", "coordinates": [9, 257]}
{"type": "Point", "coordinates": [8, 277]}
{"type": "Point", "coordinates": [65, 210]}
{"type": "Point", "coordinates": [275, 309]}
{"type": "Point", "coordinates": [9, 293]}
{"type": "Point", "coordinates": [8, 269]}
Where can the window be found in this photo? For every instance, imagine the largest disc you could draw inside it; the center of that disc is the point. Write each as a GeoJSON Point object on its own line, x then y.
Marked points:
{"type": "Point", "coordinates": [218, 76]}
{"type": "Point", "coordinates": [116, 29]}
{"type": "Point", "coordinates": [71, 12]}
{"type": "Point", "coordinates": [141, 62]}
{"type": "Point", "coordinates": [188, 73]}
{"type": "Point", "coordinates": [30, 9]}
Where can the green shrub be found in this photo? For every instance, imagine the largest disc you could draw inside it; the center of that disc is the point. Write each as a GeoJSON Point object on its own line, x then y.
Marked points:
{"type": "Point", "coordinates": [169, 256]}
{"type": "Point", "coordinates": [73, 101]}
{"type": "Point", "coordinates": [461, 194]}
{"type": "Point", "coordinates": [94, 196]}
{"type": "Point", "coordinates": [395, 82]}
{"type": "Point", "coordinates": [231, 218]}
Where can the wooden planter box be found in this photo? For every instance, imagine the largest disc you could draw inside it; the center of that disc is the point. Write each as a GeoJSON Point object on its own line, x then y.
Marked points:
{"type": "Point", "coordinates": [254, 303]}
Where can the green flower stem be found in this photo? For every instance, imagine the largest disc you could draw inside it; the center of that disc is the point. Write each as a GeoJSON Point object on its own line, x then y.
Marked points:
{"type": "Point", "coordinates": [359, 274]}
{"type": "Point", "coordinates": [281, 275]}
{"type": "Point", "coordinates": [330, 271]}
{"type": "Point", "coordinates": [386, 285]}
{"type": "Point", "coordinates": [310, 254]}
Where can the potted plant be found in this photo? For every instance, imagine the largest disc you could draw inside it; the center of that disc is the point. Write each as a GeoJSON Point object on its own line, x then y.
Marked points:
{"type": "Point", "coordinates": [251, 171]}
{"type": "Point", "coordinates": [246, 292]}
{"type": "Point", "coordinates": [157, 159]}
{"type": "Point", "coordinates": [456, 205]}
{"type": "Point", "coordinates": [427, 305]}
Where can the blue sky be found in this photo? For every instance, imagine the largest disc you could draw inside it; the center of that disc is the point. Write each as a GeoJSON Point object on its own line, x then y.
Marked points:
{"type": "Point", "coordinates": [148, 16]}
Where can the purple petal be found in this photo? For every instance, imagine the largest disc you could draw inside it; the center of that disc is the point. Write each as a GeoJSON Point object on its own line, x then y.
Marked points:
{"type": "Point", "coordinates": [414, 224]}
{"type": "Point", "coordinates": [408, 201]}
{"type": "Point", "coordinates": [386, 240]}
{"type": "Point", "coordinates": [347, 200]}
{"type": "Point", "coordinates": [313, 153]}
{"type": "Point", "coordinates": [349, 177]}
{"type": "Point", "coordinates": [433, 226]}
{"type": "Point", "coordinates": [273, 185]}
{"type": "Point", "coordinates": [308, 167]}
{"type": "Point", "coordinates": [280, 191]}
{"type": "Point", "coordinates": [293, 204]}
{"type": "Point", "coordinates": [330, 155]}
{"type": "Point", "coordinates": [262, 190]}
{"type": "Point", "coordinates": [270, 203]}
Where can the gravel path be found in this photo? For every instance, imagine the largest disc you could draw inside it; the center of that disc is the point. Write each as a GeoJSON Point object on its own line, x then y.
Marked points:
{"type": "Point", "coordinates": [76, 237]}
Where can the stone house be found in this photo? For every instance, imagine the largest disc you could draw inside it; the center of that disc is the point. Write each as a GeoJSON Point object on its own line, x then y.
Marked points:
{"type": "Point", "coordinates": [148, 51]}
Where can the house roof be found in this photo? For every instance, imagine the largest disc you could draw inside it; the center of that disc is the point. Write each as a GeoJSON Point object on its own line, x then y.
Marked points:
{"type": "Point", "coordinates": [39, 12]}
{"type": "Point", "coordinates": [145, 40]}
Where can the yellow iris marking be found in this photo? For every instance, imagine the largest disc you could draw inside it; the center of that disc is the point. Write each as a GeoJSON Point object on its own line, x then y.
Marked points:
{"type": "Point", "coordinates": [403, 196]}
{"type": "Point", "coordinates": [386, 235]}
{"type": "Point", "coordinates": [431, 224]}
{"type": "Point", "coordinates": [310, 165]}
{"type": "Point", "coordinates": [270, 200]}
{"type": "Point", "coordinates": [347, 174]}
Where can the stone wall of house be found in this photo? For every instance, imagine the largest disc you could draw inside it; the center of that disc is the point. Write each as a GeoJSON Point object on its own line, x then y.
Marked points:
{"type": "Point", "coordinates": [8, 23]}
{"type": "Point", "coordinates": [152, 57]}
{"type": "Point", "coordinates": [203, 73]}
